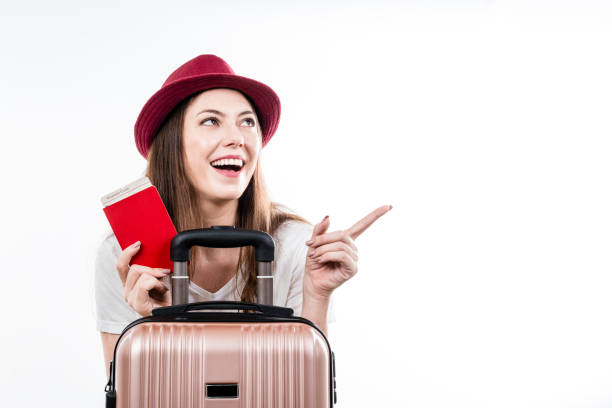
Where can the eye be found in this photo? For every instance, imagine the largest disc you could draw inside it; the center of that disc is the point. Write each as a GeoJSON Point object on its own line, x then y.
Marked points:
{"type": "Point", "coordinates": [207, 119]}
{"type": "Point", "coordinates": [251, 121]}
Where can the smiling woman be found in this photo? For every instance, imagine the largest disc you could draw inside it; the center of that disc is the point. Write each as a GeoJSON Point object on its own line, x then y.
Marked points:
{"type": "Point", "coordinates": [202, 134]}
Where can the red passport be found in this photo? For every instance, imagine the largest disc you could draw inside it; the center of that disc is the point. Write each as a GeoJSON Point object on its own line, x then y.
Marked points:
{"type": "Point", "coordinates": [136, 212]}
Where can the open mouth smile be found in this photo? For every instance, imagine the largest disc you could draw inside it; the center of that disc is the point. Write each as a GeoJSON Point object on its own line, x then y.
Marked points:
{"type": "Point", "coordinates": [228, 167]}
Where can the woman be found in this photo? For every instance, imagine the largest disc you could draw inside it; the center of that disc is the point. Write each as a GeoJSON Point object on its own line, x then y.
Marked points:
{"type": "Point", "coordinates": [202, 134]}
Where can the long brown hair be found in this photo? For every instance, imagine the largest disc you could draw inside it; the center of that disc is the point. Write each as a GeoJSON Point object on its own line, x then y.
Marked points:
{"type": "Point", "coordinates": [166, 170]}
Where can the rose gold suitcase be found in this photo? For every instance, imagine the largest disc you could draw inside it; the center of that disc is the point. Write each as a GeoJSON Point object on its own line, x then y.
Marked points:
{"type": "Point", "coordinates": [214, 354]}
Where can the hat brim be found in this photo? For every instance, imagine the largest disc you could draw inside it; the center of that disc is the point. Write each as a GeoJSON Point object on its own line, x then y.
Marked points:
{"type": "Point", "coordinates": [154, 112]}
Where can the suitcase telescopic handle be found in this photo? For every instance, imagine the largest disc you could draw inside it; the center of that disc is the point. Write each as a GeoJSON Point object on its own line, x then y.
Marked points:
{"type": "Point", "coordinates": [222, 236]}
{"type": "Point", "coordinates": [224, 305]}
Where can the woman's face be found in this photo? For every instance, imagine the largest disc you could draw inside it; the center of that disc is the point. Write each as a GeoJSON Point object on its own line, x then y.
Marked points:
{"type": "Point", "coordinates": [219, 123]}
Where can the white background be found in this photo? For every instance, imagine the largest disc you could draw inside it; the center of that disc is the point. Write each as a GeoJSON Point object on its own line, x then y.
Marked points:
{"type": "Point", "coordinates": [486, 124]}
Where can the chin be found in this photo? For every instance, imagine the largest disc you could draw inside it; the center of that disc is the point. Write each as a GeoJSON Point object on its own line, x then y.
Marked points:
{"type": "Point", "coordinates": [224, 194]}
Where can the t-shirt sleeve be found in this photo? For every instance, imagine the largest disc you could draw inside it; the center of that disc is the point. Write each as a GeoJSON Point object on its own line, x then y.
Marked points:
{"type": "Point", "coordinates": [296, 238]}
{"type": "Point", "coordinates": [113, 313]}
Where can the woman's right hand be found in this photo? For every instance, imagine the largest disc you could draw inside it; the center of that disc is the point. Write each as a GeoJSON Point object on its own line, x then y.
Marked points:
{"type": "Point", "coordinates": [143, 288]}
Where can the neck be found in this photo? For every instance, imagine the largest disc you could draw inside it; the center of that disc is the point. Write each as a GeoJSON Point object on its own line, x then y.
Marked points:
{"type": "Point", "coordinates": [219, 212]}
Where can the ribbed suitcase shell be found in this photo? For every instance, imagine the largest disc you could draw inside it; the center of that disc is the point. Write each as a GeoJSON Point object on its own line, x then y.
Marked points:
{"type": "Point", "coordinates": [275, 364]}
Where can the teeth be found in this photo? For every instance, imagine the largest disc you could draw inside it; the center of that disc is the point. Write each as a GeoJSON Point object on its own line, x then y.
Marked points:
{"type": "Point", "coordinates": [227, 162]}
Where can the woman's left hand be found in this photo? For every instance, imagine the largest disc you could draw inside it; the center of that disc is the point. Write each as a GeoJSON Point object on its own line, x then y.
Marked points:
{"type": "Point", "coordinates": [331, 259]}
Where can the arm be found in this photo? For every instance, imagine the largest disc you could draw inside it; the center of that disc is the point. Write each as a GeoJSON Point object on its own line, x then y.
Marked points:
{"type": "Point", "coordinates": [108, 344]}
{"type": "Point", "coordinates": [331, 260]}
{"type": "Point", "coordinates": [113, 312]}
{"type": "Point", "coordinates": [315, 309]}
{"type": "Point", "coordinates": [292, 258]}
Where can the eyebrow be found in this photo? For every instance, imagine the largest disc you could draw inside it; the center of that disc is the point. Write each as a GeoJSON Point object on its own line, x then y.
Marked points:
{"type": "Point", "coordinates": [221, 113]}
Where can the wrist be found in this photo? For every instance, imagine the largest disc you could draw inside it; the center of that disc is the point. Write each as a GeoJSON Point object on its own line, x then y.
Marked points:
{"type": "Point", "coordinates": [313, 295]}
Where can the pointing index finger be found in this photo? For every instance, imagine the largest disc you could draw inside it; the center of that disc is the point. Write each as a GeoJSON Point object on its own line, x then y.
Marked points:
{"type": "Point", "coordinates": [360, 226]}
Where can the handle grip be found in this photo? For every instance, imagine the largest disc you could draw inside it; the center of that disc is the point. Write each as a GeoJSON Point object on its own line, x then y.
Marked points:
{"type": "Point", "coordinates": [223, 305]}
{"type": "Point", "coordinates": [222, 236]}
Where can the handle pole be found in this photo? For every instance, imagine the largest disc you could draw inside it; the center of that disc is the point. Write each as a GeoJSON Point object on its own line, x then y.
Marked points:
{"type": "Point", "coordinates": [180, 284]}
{"type": "Point", "coordinates": [265, 283]}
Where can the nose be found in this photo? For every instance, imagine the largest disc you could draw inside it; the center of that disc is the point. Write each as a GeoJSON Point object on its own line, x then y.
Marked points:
{"type": "Point", "coordinates": [234, 137]}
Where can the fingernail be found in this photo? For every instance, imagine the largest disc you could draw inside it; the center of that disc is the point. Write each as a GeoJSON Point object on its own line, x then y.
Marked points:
{"type": "Point", "coordinates": [390, 206]}
{"type": "Point", "coordinates": [136, 244]}
{"type": "Point", "coordinates": [312, 254]}
{"type": "Point", "coordinates": [325, 219]}
{"type": "Point", "coordinates": [309, 243]}
{"type": "Point", "coordinates": [166, 271]}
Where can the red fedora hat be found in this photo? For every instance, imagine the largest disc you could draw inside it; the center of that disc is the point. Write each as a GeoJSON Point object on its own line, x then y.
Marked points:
{"type": "Point", "coordinates": [199, 74]}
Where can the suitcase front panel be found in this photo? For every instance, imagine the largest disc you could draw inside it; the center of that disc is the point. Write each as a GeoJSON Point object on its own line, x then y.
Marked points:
{"type": "Point", "coordinates": [229, 365]}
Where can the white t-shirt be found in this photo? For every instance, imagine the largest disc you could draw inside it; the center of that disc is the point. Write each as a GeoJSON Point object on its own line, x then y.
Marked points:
{"type": "Point", "coordinates": [113, 313]}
